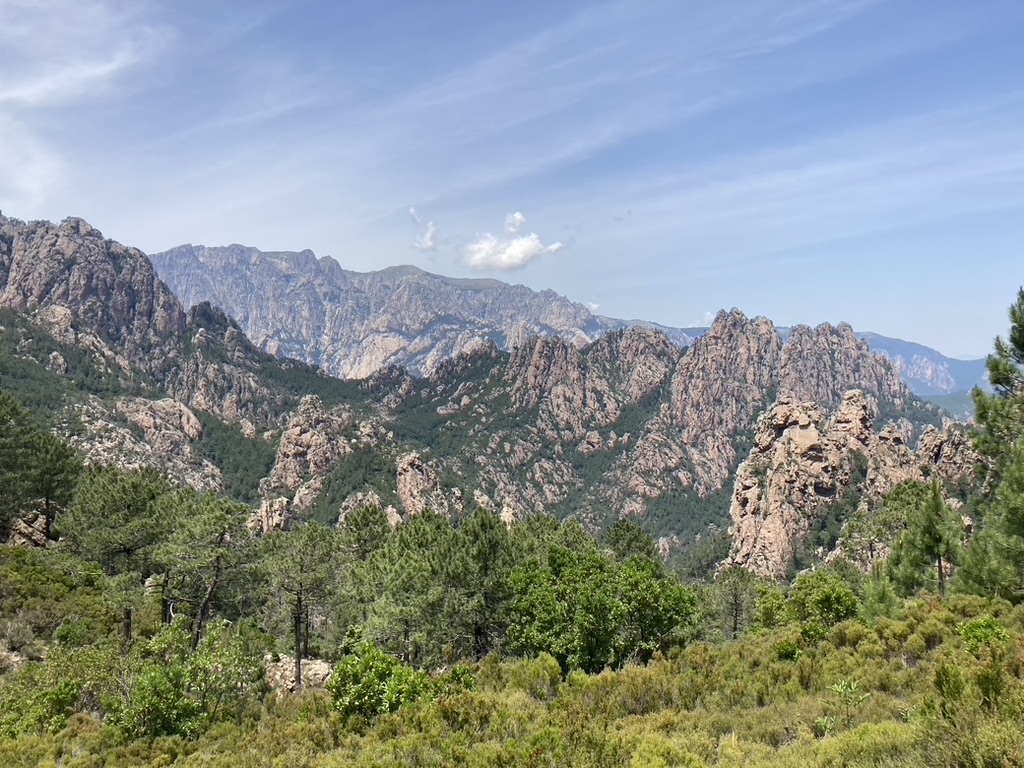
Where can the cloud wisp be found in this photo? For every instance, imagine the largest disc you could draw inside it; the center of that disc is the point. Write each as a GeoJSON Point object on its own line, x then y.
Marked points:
{"type": "Point", "coordinates": [59, 52]}
{"type": "Point", "coordinates": [426, 241]}
{"type": "Point", "coordinates": [426, 238]}
{"type": "Point", "coordinates": [509, 251]}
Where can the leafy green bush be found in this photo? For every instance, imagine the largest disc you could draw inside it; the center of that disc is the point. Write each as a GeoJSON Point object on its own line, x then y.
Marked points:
{"type": "Point", "coordinates": [370, 682]}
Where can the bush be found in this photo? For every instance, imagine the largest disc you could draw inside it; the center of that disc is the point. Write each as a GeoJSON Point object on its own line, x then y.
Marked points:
{"type": "Point", "coordinates": [370, 682]}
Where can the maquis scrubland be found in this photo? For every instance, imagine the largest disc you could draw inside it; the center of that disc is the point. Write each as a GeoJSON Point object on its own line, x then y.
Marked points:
{"type": "Point", "coordinates": [158, 627]}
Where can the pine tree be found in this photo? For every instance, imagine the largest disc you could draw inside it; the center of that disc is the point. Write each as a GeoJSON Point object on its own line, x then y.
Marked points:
{"type": "Point", "coordinates": [930, 546]}
{"type": "Point", "coordinates": [1000, 415]}
{"type": "Point", "coordinates": [994, 560]}
{"type": "Point", "coordinates": [303, 566]}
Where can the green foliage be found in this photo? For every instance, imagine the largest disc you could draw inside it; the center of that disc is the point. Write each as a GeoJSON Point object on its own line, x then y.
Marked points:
{"type": "Point", "coordinates": [626, 539]}
{"type": "Point", "coordinates": [205, 557]}
{"type": "Point", "coordinates": [175, 690]}
{"type": "Point", "coordinates": [698, 562]}
{"type": "Point", "coordinates": [819, 601]}
{"type": "Point", "coordinates": [115, 519]}
{"type": "Point", "coordinates": [879, 596]}
{"type": "Point", "coordinates": [302, 566]}
{"type": "Point", "coordinates": [25, 351]}
{"type": "Point", "coordinates": [590, 613]}
{"type": "Point", "coordinates": [847, 699]}
{"type": "Point", "coordinates": [488, 546]}
{"type": "Point", "coordinates": [359, 471]}
{"type": "Point", "coordinates": [368, 682]}
{"type": "Point", "coordinates": [994, 560]}
{"type": "Point", "coordinates": [930, 546]}
{"type": "Point", "coordinates": [983, 634]}
{"type": "Point", "coordinates": [55, 598]}
{"type": "Point", "coordinates": [1000, 415]}
{"type": "Point", "coordinates": [364, 531]}
{"type": "Point", "coordinates": [730, 605]}
{"type": "Point", "coordinates": [420, 580]}
{"type": "Point", "coordinates": [243, 461]}
{"type": "Point", "coordinates": [38, 471]}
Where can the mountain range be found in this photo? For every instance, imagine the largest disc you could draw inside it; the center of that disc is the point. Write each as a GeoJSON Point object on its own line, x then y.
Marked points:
{"type": "Point", "coordinates": [351, 323]}
{"type": "Point", "coordinates": [533, 405]}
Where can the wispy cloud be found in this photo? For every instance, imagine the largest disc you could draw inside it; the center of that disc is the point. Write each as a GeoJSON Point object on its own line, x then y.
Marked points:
{"type": "Point", "coordinates": [509, 251]}
{"type": "Point", "coordinates": [427, 239]}
{"type": "Point", "coordinates": [63, 51]}
{"type": "Point", "coordinates": [881, 177]}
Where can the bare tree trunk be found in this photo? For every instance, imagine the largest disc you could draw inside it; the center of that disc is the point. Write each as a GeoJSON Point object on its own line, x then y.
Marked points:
{"type": "Point", "coordinates": [129, 625]}
{"type": "Point", "coordinates": [299, 609]}
{"type": "Point", "coordinates": [204, 608]}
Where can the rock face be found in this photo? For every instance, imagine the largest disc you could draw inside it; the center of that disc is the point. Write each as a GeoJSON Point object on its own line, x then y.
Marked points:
{"type": "Point", "coordinates": [137, 433]}
{"type": "Point", "coordinates": [112, 289]}
{"type": "Point", "coordinates": [352, 324]}
{"type": "Point", "coordinates": [311, 445]}
{"type": "Point", "coordinates": [629, 425]}
{"type": "Point", "coordinates": [624, 424]}
{"type": "Point", "coordinates": [96, 294]}
{"type": "Point", "coordinates": [281, 673]}
{"type": "Point", "coordinates": [804, 461]}
{"type": "Point", "coordinates": [32, 530]}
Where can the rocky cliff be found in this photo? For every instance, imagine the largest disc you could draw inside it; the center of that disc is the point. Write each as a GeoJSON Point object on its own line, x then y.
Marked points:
{"type": "Point", "coordinates": [94, 294]}
{"type": "Point", "coordinates": [809, 467]}
{"type": "Point", "coordinates": [91, 333]}
{"type": "Point", "coordinates": [627, 424]}
{"type": "Point", "coordinates": [351, 324]}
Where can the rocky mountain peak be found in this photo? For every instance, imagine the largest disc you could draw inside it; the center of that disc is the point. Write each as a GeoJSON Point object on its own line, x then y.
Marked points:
{"type": "Point", "coordinates": [110, 288]}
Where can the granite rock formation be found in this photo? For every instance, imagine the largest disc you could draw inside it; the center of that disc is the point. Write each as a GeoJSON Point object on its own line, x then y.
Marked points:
{"type": "Point", "coordinates": [805, 460]}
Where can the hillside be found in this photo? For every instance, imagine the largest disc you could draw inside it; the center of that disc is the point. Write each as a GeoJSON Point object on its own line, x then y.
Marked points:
{"type": "Point", "coordinates": [627, 425]}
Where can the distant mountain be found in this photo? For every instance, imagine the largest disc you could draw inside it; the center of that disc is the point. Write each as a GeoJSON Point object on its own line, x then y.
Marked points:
{"type": "Point", "coordinates": [926, 371]}
{"type": "Point", "coordinates": [352, 324]}
{"type": "Point", "coordinates": [629, 424]}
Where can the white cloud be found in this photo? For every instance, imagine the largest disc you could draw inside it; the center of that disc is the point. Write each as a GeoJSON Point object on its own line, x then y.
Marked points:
{"type": "Point", "coordinates": [414, 215]}
{"type": "Point", "coordinates": [594, 307]}
{"type": "Point", "coordinates": [508, 252]}
{"type": "Point", "coordinates": [514, 222]}
{"type": "Point", "coordinates": [426, 240]}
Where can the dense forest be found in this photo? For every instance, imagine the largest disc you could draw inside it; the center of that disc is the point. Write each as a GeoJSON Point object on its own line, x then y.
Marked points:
{"type": "Point", "coordinates": [158, 629]}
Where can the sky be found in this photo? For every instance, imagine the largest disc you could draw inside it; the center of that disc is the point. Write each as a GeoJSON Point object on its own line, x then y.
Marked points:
{"type": "Point", "coordinates": [805, 160]}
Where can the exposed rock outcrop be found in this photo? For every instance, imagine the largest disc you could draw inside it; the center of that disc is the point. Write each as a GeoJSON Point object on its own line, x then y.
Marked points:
{"type": "Point", "coordinates": [32, 530]}
{"type": "Point", "coordinates": [309, 448]}
{"type": "Point", "coordinates": [419, 490]}
{"type": "Point", "coordinates": [112, 289]}
{"type": "Point", "coordinates": [281, 673]}
{"type": "Point", "coordinates": [803, 461]}
{"type": "Point", "coordinates": [137, 433]}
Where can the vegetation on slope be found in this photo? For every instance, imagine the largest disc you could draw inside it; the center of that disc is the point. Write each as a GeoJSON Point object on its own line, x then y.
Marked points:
{"type": "Point", "coordinates": [142, 637]}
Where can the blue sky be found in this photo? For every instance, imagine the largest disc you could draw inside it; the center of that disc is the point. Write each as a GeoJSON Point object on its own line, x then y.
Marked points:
{"type": "Point", "coordinates": [806, 160]}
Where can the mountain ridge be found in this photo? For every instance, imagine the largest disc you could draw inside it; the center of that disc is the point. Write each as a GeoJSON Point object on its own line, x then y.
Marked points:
{"type": "Point", "coordinates": [298, 305]}
{"type": "Point", "coordinates": [628, 424]}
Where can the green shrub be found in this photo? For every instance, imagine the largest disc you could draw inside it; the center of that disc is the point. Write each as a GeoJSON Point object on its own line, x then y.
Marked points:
{"type": "Point", "coordinates": [370, 682]}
